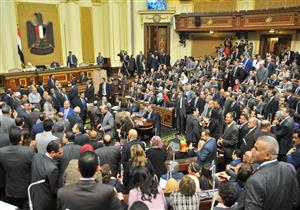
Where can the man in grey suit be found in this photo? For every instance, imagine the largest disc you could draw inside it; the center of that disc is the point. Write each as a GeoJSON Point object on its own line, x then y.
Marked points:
{"type": "Point", "coordinates": [193, 126]}
{"type": "Point", "coordinates": [16, 162]}
{"type": "Point", "coordinates": [100, 59]}
{"type": "Point", "coordinates": [261, 75]}
{"type": "Point", "coordinates": [42, 139]}
{"type": "Point", "coordinates": [180, 112]}
{"type": "Point", "coordinates": [87, 194]}
{"type": "Point", "coordinates": [44, 167]}
{"type": "Point", "coordinates": [273, 185]}
{"type": "Point", "coordinates": [107, 125]}
{"type": "Point", "coordinates": [6, 123]}
{"type": "Point", "coordinates": [229, 139]}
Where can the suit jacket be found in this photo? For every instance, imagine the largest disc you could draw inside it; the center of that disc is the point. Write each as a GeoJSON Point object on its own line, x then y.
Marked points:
{"type": "Point", "coordinates": [88, 195]}
{"type": "Point", "coordinates": [230, 139]}
{"type": "Point", "coordinates": [248, 65]}
{"type": "Point", "coordinates": [44, 195]}
{"type": "Point", "coordinates": [68, 114]}
{"type": "Point", "coordinates": [272, 186]}
{"type": "Point", "coordinates": [108, 90]}
{"type": "Point", "coordinates": [73, 93]}
{"type": "Point", "coordinates": [271, 68]}
{"type": "Point", "coordinates": [192, 129]}
{"type": "Point", "coordinates": [83, 106]}
{"type": "Point", "coordinates": [71, 151]}
{"type": "Point", "coordinates": [248, 141]}
{"type": "Point", "coordinates": [235, 108]}
{"type": "Point", "coordinates": [271, 107]}
{"type": "Point", "coordinates": [261, 76]}
{"type": "Point", "coordinates": [90, 94]}
{"type": "Point", "coordinates": [6, 123]}
{"type": "Point", "coordinates": [291, 101]}
{"type": "Point", "coordinates": [110, 155]}
{"type": "Point", "coordinates": [215, 128]}
{"type": "Point", "coordinates": [74, 59]}
{"type": "Point", "coordinates": [155, 118]}
{"type": "Point", "coordinates": [81, 139]}
{"type": "Point", "coordinates": [74, 118]}
{"type": "Point", "coordinates": [51, 84]}
{"type": "Point", "coordinates": [42, 141]}
{"type": "Point", "coordinates": [178, 110]}
{"type": "Point", "coordinates": [284, 134]}
{"type": "Point", "coordinates": [208, 153]}
{"type": "Point", "coordinates": [16, 162]}
{"type": "Point", "coordinates": [108, 124]}
{"type": "Point", "coordinates": [243, 130]}
{"type": "Point", "coordinates": [37, 128]}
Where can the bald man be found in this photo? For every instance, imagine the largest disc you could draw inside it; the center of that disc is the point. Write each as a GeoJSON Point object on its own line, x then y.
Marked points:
{"type": "Point", "coordinates": [133, 139]}
{"type": "Point", "coordinates": [274, 184]}
{"type": "Point", "coordinates": [75, 117]}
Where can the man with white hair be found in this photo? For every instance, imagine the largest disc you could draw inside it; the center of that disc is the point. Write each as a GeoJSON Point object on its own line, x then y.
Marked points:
{"type": "Point", "coordinates": [273, 185]}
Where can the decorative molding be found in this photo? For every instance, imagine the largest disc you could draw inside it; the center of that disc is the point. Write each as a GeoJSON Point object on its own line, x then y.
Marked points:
{"type": "Point", "coordinates": [156, 16]}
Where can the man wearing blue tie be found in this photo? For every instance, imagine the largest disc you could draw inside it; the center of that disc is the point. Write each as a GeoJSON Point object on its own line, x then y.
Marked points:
{"type": "Point", "coordinates": [71, 60]}
{"type": "Point", "coordinates": [248, 63]}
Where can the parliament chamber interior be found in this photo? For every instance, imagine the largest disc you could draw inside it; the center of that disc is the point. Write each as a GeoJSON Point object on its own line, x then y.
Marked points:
{"type": "Point", "coordinates": [149, 104]}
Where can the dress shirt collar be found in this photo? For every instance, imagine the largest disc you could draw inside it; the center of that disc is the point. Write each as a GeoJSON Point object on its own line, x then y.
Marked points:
{"type": "Point", "coordinates": [87, 179]}
{"type": "Point", "coordinates": [47, 154]}
{"type": "Point", "coordinates": [266, 163]}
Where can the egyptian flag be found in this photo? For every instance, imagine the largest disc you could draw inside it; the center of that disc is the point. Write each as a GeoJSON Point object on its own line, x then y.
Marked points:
{"type": "Point", "coordinates": [20, 47]}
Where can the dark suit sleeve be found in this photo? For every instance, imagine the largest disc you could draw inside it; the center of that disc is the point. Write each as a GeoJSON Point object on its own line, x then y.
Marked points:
{"type": "Point", "coordinates": [53, 181]}
{"type": "Point", "coordinates": [203, 154]}
{"type": "Point", "coordinates": [233, 140]}
{"type": "Point", "coordinates": [115, 202]}
{"type": "Point", "coordinates": [196, 129]}
{"type": "Point", "coordinates": [254, 195]}
{"type": "Point", "coordinates": [279, 131]}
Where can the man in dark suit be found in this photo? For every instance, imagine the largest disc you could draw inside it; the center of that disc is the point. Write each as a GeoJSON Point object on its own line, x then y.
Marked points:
{"type": "Point", "coordinates": [16, 162]}
{"type": "Point", "coordinates": [73, 93]}
{"type": "Point", "coordinates": [90, 92]}
{"type": "Point", "coordinates": [207, 150]}
{"type": "Point", "coordinates": [273, 185]}
{"type": "Point", "coordinates": [7, 97]}
{"type": "Point", "coordinates": [44, 167]}
{"type": "Point", "coordinates": [180, 112]}
{"type": "Point", "coordinates": [75, 117]}
{"type": "Point", "coordinates": [243, 127]}
{"type": "Point", "coordinates": [82, 104]}
{"type": "Point", "coordinates": [87, 194]}
{"type": "Point", "coordinates": [248, 141]}
{"type": "Point", "coordinates": [229, 139]}
{"type": "Point", "coordinates": [272, 105]}
{"type": "Point", "coordinates": [154, 117]}
{"type": "Point", "coordinates": [290, 99]}
{"type": "Point", "coordinates": [110, 154]}
{"type": "Point", "coordinates": [235, 107]}
{"type": "Point", "coordinates": [6, 123]}
{"type": "Point", "coordinates": [51, 82]}
{"type": "Point", "coordinates": [132, 136]}
{"type": "Point", "coordinates": [193, 126]}
{"type": "Point", "coordinates": [100, 59]}
{"type": "Point", "coordinates": [197, 102]}
{"type": "Point", "coordinates": [71, 60]}
{"type": "Point", "coordinates": [283, 129]}
{"type": "Point", "coordinates": [140, 63]}
{"type": "Point", "coordinates": [80, 138]}
{"type": "Point", "coordinates": [105, 89]}
{"type": "Point", "coordinates": [270, 66]}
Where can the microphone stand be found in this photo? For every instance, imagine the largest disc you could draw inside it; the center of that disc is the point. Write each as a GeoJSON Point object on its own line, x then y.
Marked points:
{"type": "Point", "coordinates": [213, 172]}
{"type": "Point", "coordinates": [28, 192]}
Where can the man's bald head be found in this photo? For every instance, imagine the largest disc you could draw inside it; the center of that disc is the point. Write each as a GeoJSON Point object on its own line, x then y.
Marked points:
{"type": "Point", "coordinates": [132, 134]}
{"type": "Point", "coordinates": [266, 148]}
{"type": "Point", "coordinates": [77, 110]}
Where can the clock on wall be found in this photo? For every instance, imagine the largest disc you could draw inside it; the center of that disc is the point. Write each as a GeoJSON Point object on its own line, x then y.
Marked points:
{"type": "Point", "coordinates": [156, 18]}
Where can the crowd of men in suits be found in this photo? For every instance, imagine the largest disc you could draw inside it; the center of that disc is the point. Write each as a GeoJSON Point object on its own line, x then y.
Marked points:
{"type": "Point", "coordinates": [238, 103]}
